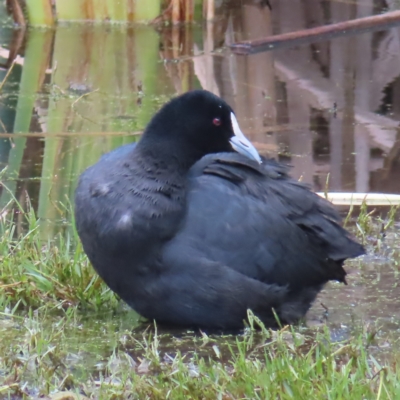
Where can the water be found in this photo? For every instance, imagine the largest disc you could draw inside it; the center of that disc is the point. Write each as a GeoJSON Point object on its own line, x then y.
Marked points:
{"type": "Point", "coordinates": [331, 107]}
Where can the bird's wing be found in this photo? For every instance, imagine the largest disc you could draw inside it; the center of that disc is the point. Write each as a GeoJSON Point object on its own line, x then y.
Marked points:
{"type": "Point", "coordinates": [262, 223]}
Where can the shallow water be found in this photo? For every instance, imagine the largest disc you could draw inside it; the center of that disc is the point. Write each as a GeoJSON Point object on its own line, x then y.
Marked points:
{"type": "Point", "coordinates": [331, 107]}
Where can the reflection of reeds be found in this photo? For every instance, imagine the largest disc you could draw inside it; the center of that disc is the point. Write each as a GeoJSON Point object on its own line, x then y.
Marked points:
{"type": "Point", "coordinates": [45, 12]}
{"type": "Point", "coordinates": [40, 12]}
{"type": "Point", "coordinates": [204, 63]}
{"type": "Point", "coordinates": [96, 82]}
{"type": "Point", "coordinates": [14, 48]}
{"type": "Point", "coordinates": [209, 9]}
{"type": "Point", "coordinates": [8, 73]}
{"type": "Point", "coordinates": [101, 81]}
{"type": "Point", "coordinates": [107, 10]}
{"type": "Point", "coordinates": [17, 13]}
{"type": "Point", "coordinates": [176, 42]}
{"type": "Point", "coordinates": [36, 61]}
{"type": "Point", "coordinates": [182, 11]}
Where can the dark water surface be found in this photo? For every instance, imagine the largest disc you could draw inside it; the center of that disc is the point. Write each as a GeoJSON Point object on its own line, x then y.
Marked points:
{"type": "Point", "coordinates": [330, 107]}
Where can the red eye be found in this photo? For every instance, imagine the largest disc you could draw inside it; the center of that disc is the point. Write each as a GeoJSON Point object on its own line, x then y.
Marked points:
{"type": "Point", "coordinates": [216, 121]}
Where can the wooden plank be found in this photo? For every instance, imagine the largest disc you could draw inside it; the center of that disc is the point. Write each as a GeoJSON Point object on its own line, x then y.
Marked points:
{"type": "Point", "coordinates": [357, 199]}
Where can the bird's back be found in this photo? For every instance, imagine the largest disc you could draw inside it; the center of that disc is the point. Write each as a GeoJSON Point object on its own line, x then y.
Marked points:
{"type": "Point", "coordinates": [262, 223]}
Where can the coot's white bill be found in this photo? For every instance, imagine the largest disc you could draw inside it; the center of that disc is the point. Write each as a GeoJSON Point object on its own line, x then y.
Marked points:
{"type": "Point", "coordinates": [241, 144]}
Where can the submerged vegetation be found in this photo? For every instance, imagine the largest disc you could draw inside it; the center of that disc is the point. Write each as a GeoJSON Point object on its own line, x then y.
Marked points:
{"type": "Point", "coordinates": [65, 333]}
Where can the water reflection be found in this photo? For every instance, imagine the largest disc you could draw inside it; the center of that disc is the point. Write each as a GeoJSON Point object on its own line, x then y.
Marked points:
{"type": "Point", "coordinates": [326, 108]}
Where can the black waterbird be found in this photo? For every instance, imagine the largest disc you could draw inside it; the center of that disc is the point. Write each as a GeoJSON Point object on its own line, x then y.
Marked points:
{"type": "Point", "coordinates": [192, 227]}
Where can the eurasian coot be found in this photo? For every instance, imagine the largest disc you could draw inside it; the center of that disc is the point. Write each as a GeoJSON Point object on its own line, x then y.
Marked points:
{"type": "Point", "coordinates": [192, 227]}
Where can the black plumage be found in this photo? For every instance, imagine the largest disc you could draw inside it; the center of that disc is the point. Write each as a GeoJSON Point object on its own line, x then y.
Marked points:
{"type": "Point", "coordinates": [189, 232]}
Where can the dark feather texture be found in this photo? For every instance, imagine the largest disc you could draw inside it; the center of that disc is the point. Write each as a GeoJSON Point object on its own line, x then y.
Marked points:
{"type": "Point", "coordinates": [189, 232]}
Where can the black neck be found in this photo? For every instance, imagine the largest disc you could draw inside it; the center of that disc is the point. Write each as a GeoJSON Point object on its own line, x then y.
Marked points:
{"type": "Point", "coordinates": [173, 154]}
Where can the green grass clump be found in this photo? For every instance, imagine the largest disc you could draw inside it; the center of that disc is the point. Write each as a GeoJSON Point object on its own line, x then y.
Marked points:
{"type": "Point", "coordinates": [269, 364]}
{"type": "Point", "coordinates": [62, 331]}
{"type": "Point", "coordinates": [55, 272]}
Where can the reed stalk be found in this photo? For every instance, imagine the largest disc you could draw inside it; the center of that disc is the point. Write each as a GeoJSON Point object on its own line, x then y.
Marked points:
{"type": "Point", "coordinates": [108, 10]}
{"type": "Point", "coordinates": [112, 94]}
{"type": "Point", "coordinates": [69, 10]}
{"type": "Point", "coordinates": [209, 9]}
{"type": "Point", "coordinates": [40, 12]}
{"type": "Point", "coordinates": [189, 10]}
{"type": "Point", "coordinates": [146, 10]}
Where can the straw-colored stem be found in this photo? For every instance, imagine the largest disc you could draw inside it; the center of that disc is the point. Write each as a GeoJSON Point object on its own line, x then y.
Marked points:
{"type": "Point", "coordinates": [147, 10]}
{"type": "Point", "coordinates": [176, 11]}
{"type": "Point", "coordinates": [210, 10]}
{"type": "Point", "coordinates": [69, 10]}
{"type": "Point", "coordinates": [189, 10]}
{"type": "Point", "coordinates": [40, 12]}
{"type": "Point", "coordinates": [108, 10]}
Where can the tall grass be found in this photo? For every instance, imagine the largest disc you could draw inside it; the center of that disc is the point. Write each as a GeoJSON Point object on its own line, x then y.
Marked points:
{"type": "Point", "coordinates": [54, 272]}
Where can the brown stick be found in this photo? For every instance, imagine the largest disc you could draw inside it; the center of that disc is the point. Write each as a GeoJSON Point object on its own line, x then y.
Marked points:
{"type": "Point", "coordinates": [14, 47]}
{"type": "Point", "coordinates": [321, 32]}
{"type": "Point", "coordinates": [7, 75]}
{"type": "Point", "coordinates": [17, 12]}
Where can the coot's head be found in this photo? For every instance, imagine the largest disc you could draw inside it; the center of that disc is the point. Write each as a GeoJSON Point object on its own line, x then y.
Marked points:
{"type": "Point", "coordinates": [195, 124]}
